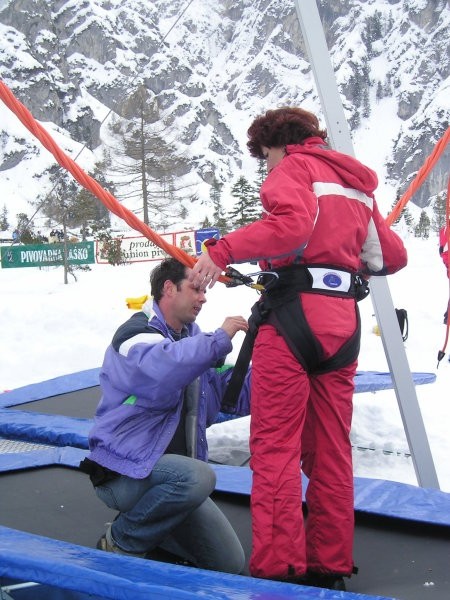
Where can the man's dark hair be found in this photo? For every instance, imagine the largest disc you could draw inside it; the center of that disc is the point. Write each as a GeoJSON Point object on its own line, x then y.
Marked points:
{"type": "Point", "coordinates": [169, 269]}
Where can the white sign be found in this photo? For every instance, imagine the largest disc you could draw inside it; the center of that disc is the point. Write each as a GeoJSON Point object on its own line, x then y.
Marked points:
{"type": "Point", "coordinates": [141, 249]}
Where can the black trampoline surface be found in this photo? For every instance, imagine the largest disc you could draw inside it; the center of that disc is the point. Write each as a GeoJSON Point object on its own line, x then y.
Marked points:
{"type": "Point", "coordinates": [81, 404]}
{"type": "Point", "coordinates": [398, 559]}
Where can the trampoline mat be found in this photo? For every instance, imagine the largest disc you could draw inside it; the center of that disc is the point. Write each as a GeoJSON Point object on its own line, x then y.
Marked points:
{"type": "Point", "coordinates": [80, 403]}
{"type": "Point", "coordinates": [400, 559]}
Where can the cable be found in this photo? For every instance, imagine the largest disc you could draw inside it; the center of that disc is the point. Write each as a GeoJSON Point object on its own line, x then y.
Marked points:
{"type": "Point", "coordinates": [163, 39]}
{"type": "Point", "coordinates": [420, 177]}
{"type": "Point", "coordinates": [86, 180]}
{"type": "Point", "coordinates": [89, 182]}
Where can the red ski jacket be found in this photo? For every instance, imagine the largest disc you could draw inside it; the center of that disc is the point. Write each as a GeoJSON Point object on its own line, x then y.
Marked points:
{"type": "Point", "coordinates": [318, 208]}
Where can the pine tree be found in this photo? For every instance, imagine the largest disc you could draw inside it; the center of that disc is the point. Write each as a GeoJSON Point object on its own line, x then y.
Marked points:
{"type": "Point", "coordinates": [88, 212]}
{"type": "Point", "coordinates": [366, 103]}
{"type": "Point", "coordinates": [72, 206]}
{"type": "Point", "coordinates": [246, 210]}
{"type": "Point", "coordinates": [61, 207]}
{"type": "Point", "coordinates": [206, 224]}
{"type": "Point", "coordinates": [439, 211]}
{"type": "Point", "coordinates": [422, 229]}
{"type": "Point", "coordinates": [25, 229]}
{"type": "Point", "coordinates": [409, 219]}
{"type": "Point", "coordinates": [4, 225]}
{"type": "Point", "coordinates": [261, 174]}
{"type": "Point", "coordinates": [379, 92]}
{"type": "Point", "coordinates": [394, 204]}
{"type": "Point", "coordinates": [60, 204]}
{"type": "Point", "coordinates": [405, 213]}
{"type": "Point", "coordinates": [219, 219]}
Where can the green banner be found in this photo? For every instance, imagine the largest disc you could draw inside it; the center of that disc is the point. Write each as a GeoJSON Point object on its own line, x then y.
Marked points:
{"type": "Point", "coordinates": [47, 255]}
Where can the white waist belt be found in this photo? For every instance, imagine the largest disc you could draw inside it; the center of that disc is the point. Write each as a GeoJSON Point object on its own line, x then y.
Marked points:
{"type": "Point", "coordinates": [330, 279]}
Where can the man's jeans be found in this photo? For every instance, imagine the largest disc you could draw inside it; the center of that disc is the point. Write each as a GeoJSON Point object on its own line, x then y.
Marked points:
{"type": "Point", "coordinates": [171, 509]}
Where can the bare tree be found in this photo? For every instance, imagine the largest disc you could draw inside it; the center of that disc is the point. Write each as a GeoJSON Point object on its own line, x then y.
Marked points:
{"type": "Point", "coordinates": [145, 165]}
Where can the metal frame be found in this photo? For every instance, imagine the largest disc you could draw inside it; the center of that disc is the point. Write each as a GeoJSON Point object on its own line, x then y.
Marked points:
{"type": "Point", "coordinates": [339, 135]}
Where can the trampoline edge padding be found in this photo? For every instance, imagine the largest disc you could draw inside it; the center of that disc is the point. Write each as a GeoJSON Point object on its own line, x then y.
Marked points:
{"type": "Point", "coordinates": [28, 557]}
{"type": "Point", "coordinates": [365, 381]}
{"type": "Point", "coordinates": [57, 430]}
{"type": "Point", "coordinates": [372, 496]}
{"type": "Point", "coordinates": [66, 457]}
{"type": "Point", "coordinates": [51, 387]}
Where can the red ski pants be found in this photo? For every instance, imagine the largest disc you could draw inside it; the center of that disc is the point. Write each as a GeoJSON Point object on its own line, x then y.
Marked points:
{"type": "Point", "coordinates": [300, 418]}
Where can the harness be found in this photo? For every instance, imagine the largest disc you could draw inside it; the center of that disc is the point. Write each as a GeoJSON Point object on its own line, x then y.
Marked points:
{"type": "Point", "coordinates": [281, 306]}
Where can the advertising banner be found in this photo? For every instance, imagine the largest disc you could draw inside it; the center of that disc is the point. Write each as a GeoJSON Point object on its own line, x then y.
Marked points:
{"type": "Point", "coordinates": [134, 249]}
{"type": "Point", "coordinates": [47, 255]}
{"type": "Point", "coordinates": [141, 249]}
{"type": "Point", "coordinates": [201, 235]}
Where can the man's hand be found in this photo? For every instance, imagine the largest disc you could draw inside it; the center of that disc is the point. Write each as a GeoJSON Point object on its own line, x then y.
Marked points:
{"type": "Point", "coordinates": [204, 272]}
{"type": "Point", "coordinates": [232, 325]}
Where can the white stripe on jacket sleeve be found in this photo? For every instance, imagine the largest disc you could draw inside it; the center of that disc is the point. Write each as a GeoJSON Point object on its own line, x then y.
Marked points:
{"type": "Point", "coordinates": [141, 338]}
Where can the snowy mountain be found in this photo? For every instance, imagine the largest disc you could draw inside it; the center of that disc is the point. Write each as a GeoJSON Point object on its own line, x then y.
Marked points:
{"type": "Point", "coordinates": [210, 67]}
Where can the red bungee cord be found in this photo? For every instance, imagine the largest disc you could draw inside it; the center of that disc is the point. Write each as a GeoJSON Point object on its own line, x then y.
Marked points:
{"type": "Point", "coordinates": [89, 182]}
{"type": "Point", "coordinates": [441, 352]}
{"type": "Point", "coordinates": [420, 177]}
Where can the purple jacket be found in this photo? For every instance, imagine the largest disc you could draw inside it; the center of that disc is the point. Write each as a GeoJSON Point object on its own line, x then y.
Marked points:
{"type": "Point", "coordinates": [143, 378]}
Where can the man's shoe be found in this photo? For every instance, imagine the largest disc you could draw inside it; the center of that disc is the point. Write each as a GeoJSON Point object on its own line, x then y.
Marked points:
{"type": "Point", "coordinates": [106, 546]}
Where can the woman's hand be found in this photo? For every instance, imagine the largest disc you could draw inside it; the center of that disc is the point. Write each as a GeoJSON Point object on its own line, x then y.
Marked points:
{"type": "Point", "coordinates": [205, 272]}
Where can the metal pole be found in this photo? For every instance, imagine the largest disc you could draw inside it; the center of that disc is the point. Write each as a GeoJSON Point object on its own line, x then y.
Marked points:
{"type": "Point", "coordinates": [339, 135]}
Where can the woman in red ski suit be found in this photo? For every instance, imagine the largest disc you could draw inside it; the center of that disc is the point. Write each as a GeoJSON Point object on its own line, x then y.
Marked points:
{"type": "Point", "coordinates": [318, 210]}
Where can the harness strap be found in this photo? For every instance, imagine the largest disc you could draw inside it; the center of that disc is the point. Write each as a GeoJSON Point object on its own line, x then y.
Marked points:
{"type": "Point", "coordinates": [290, 321]}
{"type": "Point", "coordinates": [258, 315]}
{"type": "Point", "coordinates": [281, 307]}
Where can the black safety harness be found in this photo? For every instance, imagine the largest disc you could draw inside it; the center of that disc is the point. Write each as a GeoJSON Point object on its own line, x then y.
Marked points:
{"type": "Point", "coordinates": [281, 306]}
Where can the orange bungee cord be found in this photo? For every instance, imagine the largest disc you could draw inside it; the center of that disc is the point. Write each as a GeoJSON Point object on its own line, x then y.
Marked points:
{"type": "Point", "coordinates": [441, 352]}
{"type": "Point", "coordinates": [420, 177]}
{"type": "Point", "coordinates": [89, 182]}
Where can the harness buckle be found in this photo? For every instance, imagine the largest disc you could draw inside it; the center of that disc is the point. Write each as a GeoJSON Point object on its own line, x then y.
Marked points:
{"type": "Point", "coordinates": [264, 279]}
{"type": "Point", "coordinates": [237, 278]}
{"type": "Point", "coordinates": [361, 286]}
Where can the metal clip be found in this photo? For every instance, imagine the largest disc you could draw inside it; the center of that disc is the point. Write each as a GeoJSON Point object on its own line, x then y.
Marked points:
{"type": "Point", "coordinates": [262, 278]}
{"type": "Point", "coordinates": [237, 278]}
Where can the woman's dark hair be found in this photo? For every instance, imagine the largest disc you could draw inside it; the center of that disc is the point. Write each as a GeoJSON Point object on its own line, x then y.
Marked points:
{"type": "Point", "coordinates": [280, 127]}
{"type": "Point", "coordinates": [169, 269]}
